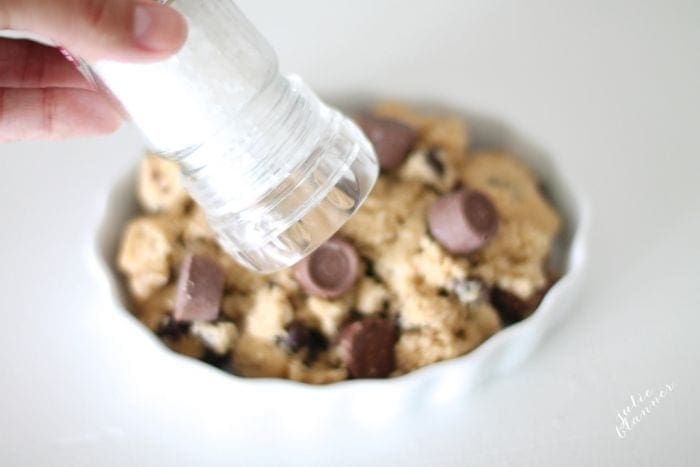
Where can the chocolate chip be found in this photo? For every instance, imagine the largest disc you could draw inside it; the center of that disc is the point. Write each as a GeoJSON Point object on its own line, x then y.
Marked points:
{"type": "Point", "coordinates": [432, 157]}
{"type": "Point", "coordinates": [369, 267]}
{"type": "Point", "coordinates": [392, 139]}
{"type": "Point", "coordinates": [513, 308]}
{"type": "Point", "coordinates": [317, 343]}
{"type": "Point", "coordinates": [199, 289]}
{"type": "Point", "coordinates": [353, 315]}
{"type": "Point", "coordinates": [296, 337]}
{"type": "Point", "coordinates": [330, 271]}
{"type": "Point", "coordinates": [463, 221]}
{"type": "Point", "coordinates": [367, 347]}
{"type": "Point", "coordinates": [214, 359]}
{"type": "Point", "coordinates": [172, 329]}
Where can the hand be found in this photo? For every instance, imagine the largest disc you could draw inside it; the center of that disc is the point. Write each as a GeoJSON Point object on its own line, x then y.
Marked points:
{"type": "Point", "coordinates": [42, 95]}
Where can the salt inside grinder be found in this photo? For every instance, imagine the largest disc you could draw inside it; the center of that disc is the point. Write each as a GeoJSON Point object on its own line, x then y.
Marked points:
{"type": "Point", "coordinates": [276, 171]}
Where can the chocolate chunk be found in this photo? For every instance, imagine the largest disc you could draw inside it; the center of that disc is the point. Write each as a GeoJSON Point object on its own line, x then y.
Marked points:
{"type": "Point", "coordinates": [367, 347]}
{"type": "Point", "coordinates": [199, 289]}
{"type": "Point", "coordinates": [300, 336]}
{"type": "Point", "coordinates": [330, 271]}
{"type": "Point", "coordinates": [353, 315]}
{"type": "Point", "coordinates": [317, 343]}
{"type": "Point", "coordinates": [214, 359]}
{"type": "Point", "coordinates": [392, 139]}
{"type": "Point", "coordinates": [369, 267]}
{"type": "Point", "coordinates": [172, 329]}
{"type": "Point", "coordinates": [513, 308]}
{"type": "Point", "coordinates": [463, 221]}
{"type": "Point", "coordinates": [433, 159]}
{"type": "Point", "coordinates": [296, 338]}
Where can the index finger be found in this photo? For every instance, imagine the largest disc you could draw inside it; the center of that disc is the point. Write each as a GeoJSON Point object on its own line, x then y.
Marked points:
{"type": "Point", "coordinates": [123, 30]}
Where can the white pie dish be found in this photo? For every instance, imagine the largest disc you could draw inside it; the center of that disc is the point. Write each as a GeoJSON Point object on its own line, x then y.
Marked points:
{"type": "Point", "coordinates": [438, 382]}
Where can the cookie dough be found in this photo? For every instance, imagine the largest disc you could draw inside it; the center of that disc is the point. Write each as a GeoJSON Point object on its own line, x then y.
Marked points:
{"type": "Point", "coordinates": [449, 247]}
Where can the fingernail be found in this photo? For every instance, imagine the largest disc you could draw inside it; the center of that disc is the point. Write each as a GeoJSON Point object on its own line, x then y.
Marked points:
{"type": "Point", "coordinates": [157, 27]}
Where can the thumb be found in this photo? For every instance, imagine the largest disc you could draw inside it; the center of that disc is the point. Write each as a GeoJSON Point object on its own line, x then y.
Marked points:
{"type": "Point", "coordinates": [123, 30]}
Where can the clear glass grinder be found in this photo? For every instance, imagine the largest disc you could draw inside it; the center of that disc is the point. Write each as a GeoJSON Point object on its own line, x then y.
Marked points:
{"type": "Point", "coordinates": [276, 170]}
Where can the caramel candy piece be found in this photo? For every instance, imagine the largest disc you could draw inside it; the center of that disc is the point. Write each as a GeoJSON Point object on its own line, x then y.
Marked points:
{"type": "Point", "coordinates": [367, 347]}
{"type": "Point", "coordinates": [330, 271]}
{"type": "Point", "coordinates": [199, 289]}
{"type": "Point", "coordinates": [392, 140]}
{"type": "Point", "coordinates": [463, 221]}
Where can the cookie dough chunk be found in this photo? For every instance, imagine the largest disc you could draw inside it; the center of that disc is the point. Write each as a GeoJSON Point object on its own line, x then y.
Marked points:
{"type": "Point", "coordinates": [258, 358]}
{"type": "Point", "coordinates": [403, 113]}
{"type": "Point", "coordinates": [145, 253]}
{"type": "Point", "coordinates": [197, 227]}
{"type": "Point", "coordinates": [449, 247]}
{"type": "Point", "coordinates": [421, 347]}
{"type": "Point", "coordinates": [159, 188]}
{"type": "Point", "coordinates": [328, 315]}
{"type": "Point", "coordinates": [393, 212]}
{"type": "Point", "coordinates": [155, 311]}
{"type": "Point", "coordinates": [514, 259]}
{"type": "Point", "coordinates": [270, 312]}
{"type": "Point", "coordinates": [187, 344]}
{"type": "Point", "coordinates": [449, 133]}
{"type": "Point", "coordinates": [372, 296]}
{"type": "Point", "coordinates": [431, 166]}
{"type": "Point", "coordinates": [319, 374]}
{"type": "Point", "coordinates": [217, 337]}
{"type": "Point", "coordinates": [425, 308]}
{"type": "Point", "coordinates": [486, 317]}
{"type": "Point", "coordinates": [373, 226]}
{"type": "Point", "coordinates": [436, 267]}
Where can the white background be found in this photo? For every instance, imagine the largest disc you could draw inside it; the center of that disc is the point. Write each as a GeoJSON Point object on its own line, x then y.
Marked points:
{"type": "Point", "coordinates": [610, 88]}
